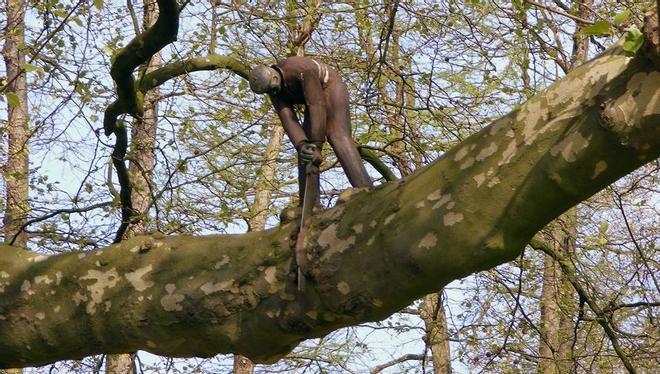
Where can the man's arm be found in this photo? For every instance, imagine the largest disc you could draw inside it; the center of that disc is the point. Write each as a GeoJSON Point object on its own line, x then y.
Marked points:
{"type": "Point", "coordinates": [289, 120]}
{"type": "Point", "coordinates": [315, 101]}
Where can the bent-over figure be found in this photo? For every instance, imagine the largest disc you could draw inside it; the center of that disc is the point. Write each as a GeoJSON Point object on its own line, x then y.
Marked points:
{"type": "Point", "coordinates": [302, 80]}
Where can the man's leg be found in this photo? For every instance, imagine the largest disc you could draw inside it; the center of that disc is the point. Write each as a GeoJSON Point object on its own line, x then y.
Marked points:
{"type": "Point", "coordinates": [338, 127]}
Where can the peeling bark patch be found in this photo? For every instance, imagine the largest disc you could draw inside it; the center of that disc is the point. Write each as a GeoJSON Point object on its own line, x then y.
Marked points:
{"type": "Point", "coordinates": [210, 287]}
{"type": "Point", "coordinates": [508, 153]}
{"type": "Point", "coordinates": [270, 275]}
{"type": "Point", "coordinates": [57, 309]}
{"type": "Point", "coordinates": [344, 288]}
{"type": "Point", "coordinates": [531, 114]}
{"type": "Point", "coordinates": [45, 279]}
{"type": "Point", "coordinates": [313, 314]}
{"type": "Point", "coordinates": [601, 166]}
{"type": "Point", "coordinates": [435, 195]}
{"type": "Point", "coordinates": [461, 154]}
{"type": "Point", "coordinates": [570, 146]}
{"type": "Point", "coordinates": [26, 288]}
{"type": "Point", "coordinates": [487, 152]}
{"type": "Point", "coordinates": [358, 228]}
{"type": "Point", "coordinates": [444, 200]}
{"type": "Point", "coordinates": [170, 302]}
{"type": "Point", "coordinates": [480, 179]}
{"type": "Point", "coordinates": [469, 162]}
{"type": "Point", "coordinates": [493, 182]}
{"type": "Point", "coordinates": [428, 241]}
{"type": "Point", "coordinates": [373, 224]}
{"type": "Point", "coordinates": [79, 297]}
{"type": "Point", "coordinates": [40, 315]}
{"type": "Point", "coordinates": [4, 274]}
{"type": "Point", "coordinates": [451, 218]}
{"type": "Point", "coordinates": [328, 239]}
{"type": "Point", "coordinates": [103, 280]}
{"type": "Point", "coordinates": [420, 204]}
{"type": "Point", "coordinates": [135, 278]}
{"type": "Point", "coordinates": [629, 109]}
{"type": "Point", "coordinates": [81, 255]}
{"type": "Point", "coordinates": [371, 241]}
{"type": "Point", "coordinates": [377, 302]}
{"type": "Point", "coordinates": [389, 219]}
{"type": "Point", "coordinates": [223, 261]}
{"type": "Point", "coordinates": [38, 258]}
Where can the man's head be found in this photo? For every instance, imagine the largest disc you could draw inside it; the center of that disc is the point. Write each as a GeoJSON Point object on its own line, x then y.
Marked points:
{"type": "Point", "coordinates": [264, 79]}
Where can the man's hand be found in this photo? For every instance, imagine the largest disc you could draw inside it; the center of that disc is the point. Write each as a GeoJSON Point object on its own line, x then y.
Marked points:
{"type": "Point", "coordinates": [310, 153]}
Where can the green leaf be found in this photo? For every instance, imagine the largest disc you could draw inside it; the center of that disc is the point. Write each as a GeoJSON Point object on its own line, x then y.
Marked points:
{"type": "Point", "coordinates": [98, 4]}
{"type": "Point", "coordinates": [634, 40]}
{"type": "Point", "coordinates": [29, 67]}
{"type": "Point", "coordinates": [518, 4]}
{"type": "Point", "coordinates": [13, 99]}
{"type": "Point", "coordinates": [621, 17]}
{"type": "Point", "coordinates": [600, 28]}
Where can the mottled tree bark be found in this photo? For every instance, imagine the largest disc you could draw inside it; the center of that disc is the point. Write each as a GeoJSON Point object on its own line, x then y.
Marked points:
{"type": "Point", "coordinates": [15, 171]}
{"type": "Point", "coordinates": [437, 336]}
{"type": "Point", "coordinates": [557, 299]}
{"type": "Point", "coordinates": [375, 252]}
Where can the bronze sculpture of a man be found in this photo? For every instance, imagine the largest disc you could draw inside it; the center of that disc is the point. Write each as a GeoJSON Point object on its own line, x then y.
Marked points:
{"type": "Point", "coordinates": [302, 80]}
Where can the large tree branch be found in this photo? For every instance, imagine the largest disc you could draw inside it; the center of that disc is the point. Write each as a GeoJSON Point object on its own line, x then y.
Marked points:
{"type": "Point", "coordinates": [371, 255]}
{"type": "Point", "coordinates": [175, 69]}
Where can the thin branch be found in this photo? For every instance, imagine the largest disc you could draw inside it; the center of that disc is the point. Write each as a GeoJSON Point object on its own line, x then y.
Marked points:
{"type": "Point", "coordinates": [379, 165]}
{"type": "Point", "coordinates": [396, 361]}
{"type": "Point", "coordinates": [56, 212]}
{"type": "Point", "coordinates": [560, 12]}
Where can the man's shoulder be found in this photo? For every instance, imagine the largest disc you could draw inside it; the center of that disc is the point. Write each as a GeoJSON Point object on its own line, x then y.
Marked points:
{"type": "Point", "coordinates": [296, 63]}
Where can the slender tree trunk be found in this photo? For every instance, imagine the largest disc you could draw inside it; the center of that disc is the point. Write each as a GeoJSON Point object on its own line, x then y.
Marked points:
{"type": "Point", "coordinates": [557, 304]}
{"type": "Point", "coordinates": [557, 298]}
{"type": "Point", "coordinates": [435, 322]}
{"type": "Point", "coordinates": [16, 169]}
{"type": "Point", "coordinates": [141, 169]}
